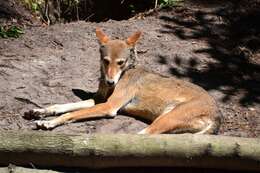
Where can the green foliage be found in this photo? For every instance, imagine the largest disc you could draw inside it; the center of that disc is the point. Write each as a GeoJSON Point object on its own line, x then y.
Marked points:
{"type": "Point", "coordinates": [33, 5]}
{"type": "Point", "coordinates": [48, 10]}
{"type": "Point", "coordinates": [169, 3]}
{"type": "Point", "coordinates": [132, 8]}
{"type": "Point", "coordinates": [12, 31]}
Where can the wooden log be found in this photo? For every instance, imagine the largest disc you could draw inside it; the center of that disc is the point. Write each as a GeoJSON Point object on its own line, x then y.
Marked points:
{"type": "Point", "coordinates": [103, 151]}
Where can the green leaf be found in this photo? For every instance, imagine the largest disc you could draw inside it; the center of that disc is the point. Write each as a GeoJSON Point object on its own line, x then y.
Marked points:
{"type": "Point", "coordinates": [35, 7]}
{"type": "Point", "coordinates": [12, 31]}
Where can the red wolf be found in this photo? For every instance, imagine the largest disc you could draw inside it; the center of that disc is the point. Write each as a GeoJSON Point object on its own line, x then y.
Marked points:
{"type": "Point", "coordinates": [171, 104]}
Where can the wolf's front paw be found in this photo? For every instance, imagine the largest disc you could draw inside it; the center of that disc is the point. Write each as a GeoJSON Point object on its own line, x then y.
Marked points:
{"type": "Point", "coordinates": [45, 125]}
{"type": "Point", "coordinates": [34, 114]}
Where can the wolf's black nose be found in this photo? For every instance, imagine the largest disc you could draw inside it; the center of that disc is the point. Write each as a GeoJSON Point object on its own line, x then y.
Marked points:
{"type": "Point", "coordinates": [110, 83]}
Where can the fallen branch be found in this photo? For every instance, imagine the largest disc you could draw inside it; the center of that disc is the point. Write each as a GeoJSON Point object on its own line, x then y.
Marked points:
{"type": "Point", "coordinates": [102, 151]}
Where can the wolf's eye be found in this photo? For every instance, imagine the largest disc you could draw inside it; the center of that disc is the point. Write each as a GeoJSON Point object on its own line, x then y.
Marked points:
{"type": "Point", "coordinates": [120, 62]}
{"type": "Point", "coordinates": [106, 61]}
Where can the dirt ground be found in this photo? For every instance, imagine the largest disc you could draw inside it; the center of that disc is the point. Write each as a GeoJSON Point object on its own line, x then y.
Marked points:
{"type": "Point", "coordinates": [60, 64]}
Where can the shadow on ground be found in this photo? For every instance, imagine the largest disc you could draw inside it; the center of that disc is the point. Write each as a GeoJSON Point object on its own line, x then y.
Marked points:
{"type": "Point", "coordinates": [233, 45]}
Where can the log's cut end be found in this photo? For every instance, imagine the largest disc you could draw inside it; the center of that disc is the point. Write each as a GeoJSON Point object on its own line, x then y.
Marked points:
{"type": "Point", "coordinates": [16, 169]}
{"type": "Point", "coordinates": [103, 151]}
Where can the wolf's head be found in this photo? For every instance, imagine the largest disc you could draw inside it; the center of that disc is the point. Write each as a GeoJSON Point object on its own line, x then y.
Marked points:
{"type": "Point", "coordinates": [116, 55]}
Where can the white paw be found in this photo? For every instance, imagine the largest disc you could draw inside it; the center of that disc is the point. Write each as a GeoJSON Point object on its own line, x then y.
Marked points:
{"type": "Point", "coordinates": [45, 125]}
{"type": "Point", "coordinates": [34, 114]}
{"type": "Point", "coordinates": [142, 132]}
{"type": "Point", "coordinates": [38, 113]}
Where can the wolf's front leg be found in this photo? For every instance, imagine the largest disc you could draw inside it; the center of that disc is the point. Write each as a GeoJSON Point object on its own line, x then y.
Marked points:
{"type": "Point", "coordinates": [58, 109]}
{"type": "Point", "coordinates": [99, 110]}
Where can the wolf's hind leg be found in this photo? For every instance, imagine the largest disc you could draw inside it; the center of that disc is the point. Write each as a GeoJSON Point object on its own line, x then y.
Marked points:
{"type": "Point", "coordinates": [191, 117]}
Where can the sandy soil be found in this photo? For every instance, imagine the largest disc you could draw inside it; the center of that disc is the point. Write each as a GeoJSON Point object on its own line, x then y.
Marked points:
{"type": "Point", "coordinates": [60, 64]}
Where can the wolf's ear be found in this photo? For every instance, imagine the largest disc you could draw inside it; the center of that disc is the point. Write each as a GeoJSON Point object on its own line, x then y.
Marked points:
{"type": "Point", "coordinates": [132, 40]}
{"type": "Point", "coordinates": [102, 37]}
